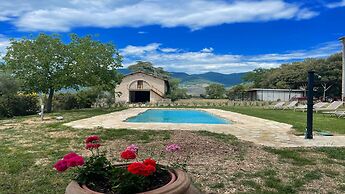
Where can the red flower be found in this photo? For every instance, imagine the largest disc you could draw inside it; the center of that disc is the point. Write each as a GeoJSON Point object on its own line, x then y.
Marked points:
{"type": "Point", "coordinates": [61, 165]}
{"type": "Point", "coordinates": [136, 168]}
{"type": "Point", "coordinates": [90, 146]}
{"type": "Point", "coordinates": [148, 170]}
{"type": "Point", "coordinates": [70, 155]}
{"type": "Point", "coordinates": [139, 168]}
{"type": "Point", "coordinates": [150, 162]}
{"type": "Point", "coordinates": [92, 138]}
{"type": "Point", "coordinates": [75, 161]}
{"type": "Point", "coordinates": [128, 154]}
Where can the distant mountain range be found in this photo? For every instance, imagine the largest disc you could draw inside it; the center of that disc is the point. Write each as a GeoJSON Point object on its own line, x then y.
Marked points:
{"type": "Point", "coordinates": [225, 79]}
{"type": "Point", "coordinates": [196, 83]}
{"type": "Point", "coordinates": [210, 77]}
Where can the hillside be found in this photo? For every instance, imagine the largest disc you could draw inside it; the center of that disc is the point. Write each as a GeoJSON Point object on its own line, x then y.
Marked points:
{"type": "Point", "coordinates": [196, 83]}
{"type": "Point", "coordinates": [210, 77]}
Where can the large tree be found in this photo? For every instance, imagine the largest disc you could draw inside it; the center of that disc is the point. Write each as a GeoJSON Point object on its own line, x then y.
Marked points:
{"type": "Point", "coordinates": [148, 68]}
{"type": "Point", "coordinates": [215, 91]}
{"type": "Point", "coordinates": [175, 91]}
{"type": "Point", "coordinates": [45, 64]}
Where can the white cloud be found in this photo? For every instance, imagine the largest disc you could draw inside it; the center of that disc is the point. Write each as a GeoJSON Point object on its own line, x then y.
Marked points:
{"type": "Point", "coordinates": [201, 61]}
{"type": "Point", "coordinates": [4, 43]}
{"type": "Point", "coordinates": [168, 50]}
{"type": "Point", "coordinates": [62, 15]}
{"type": "Point", "coordinates": [139, 50]}
{"type": "Point", "coordinates": [207, 50]}
{"type": "Point", "coordinates": [306, 14]}
{"type": "Point", "coordinates": [336, 4]}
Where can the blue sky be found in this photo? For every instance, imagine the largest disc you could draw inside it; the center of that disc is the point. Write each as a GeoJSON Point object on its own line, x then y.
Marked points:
{"type": "Point", "coordinates": [192, 36]}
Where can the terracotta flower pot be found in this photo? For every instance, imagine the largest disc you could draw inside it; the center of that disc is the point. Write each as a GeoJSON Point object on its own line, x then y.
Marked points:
{"type": "Point", "coordinates": [179, 184]}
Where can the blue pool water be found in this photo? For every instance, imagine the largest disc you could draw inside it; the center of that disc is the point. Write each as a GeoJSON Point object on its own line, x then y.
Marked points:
{"type": "Point", "coordinates": [177, 116]}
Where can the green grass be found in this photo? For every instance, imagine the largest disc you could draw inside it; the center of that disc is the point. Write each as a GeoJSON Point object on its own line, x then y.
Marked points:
{"type": "Point", "coordinates": [334, 153]}
{"type": "Point", "coordinates": [272, 183]}
{"type": "Point", "coordinates": [217, 185]}
{"type": "Point", "coordinates": [296, 119]}
{"type": "Point", "coordinates": [290, 155]}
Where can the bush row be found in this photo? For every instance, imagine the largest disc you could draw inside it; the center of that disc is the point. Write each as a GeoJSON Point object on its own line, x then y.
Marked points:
{"type": "Point", "coordinates": [18, 105]}
{"type": "Point", "coordinates": [81, 99]}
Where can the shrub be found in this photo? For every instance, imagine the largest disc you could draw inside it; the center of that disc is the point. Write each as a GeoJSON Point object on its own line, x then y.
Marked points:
{"type": "Point", "coordinates": [81, 99]}
{"type": "Point", "coordinates": [12, 103]}
{"type": "Point", "coordinates": [65, 101]}
{"type": "Point", "coordinates": [86, 98]}
{"type": "Point", "coordinates": [26, 105]}
{"type": "Point", "coordinates": [18, 105]}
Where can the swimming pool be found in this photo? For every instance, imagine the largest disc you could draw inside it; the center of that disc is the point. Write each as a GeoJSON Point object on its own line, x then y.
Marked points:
{"type": "Point", "coordinates": [177, 116]}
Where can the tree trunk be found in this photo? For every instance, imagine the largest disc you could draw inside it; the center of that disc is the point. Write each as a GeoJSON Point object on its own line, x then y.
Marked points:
{"type": "Point", "coordinates": [50, 100]}
{"type": "Point", "coordinates": [324, 94]}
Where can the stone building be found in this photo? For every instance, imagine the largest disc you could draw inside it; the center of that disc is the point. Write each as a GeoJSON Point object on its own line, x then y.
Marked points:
{"type": "Point", "coordinates": [140, 87]}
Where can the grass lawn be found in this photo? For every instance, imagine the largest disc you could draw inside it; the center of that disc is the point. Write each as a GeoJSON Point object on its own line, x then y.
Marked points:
{"type": "Point", "coordinates": [297, 119]}
{"type": "Point", "coordinates": [218, 164]}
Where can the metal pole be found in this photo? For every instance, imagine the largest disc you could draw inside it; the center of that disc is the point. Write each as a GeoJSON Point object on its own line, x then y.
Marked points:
{"type": "Point", "coordinates": [310, 104]}
{"type": "Point", "coordinates": [342, 39]}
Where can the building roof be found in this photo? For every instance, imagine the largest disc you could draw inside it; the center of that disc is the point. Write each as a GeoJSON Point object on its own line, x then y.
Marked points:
{"type": "Point", "coordinates": [146, 74]}
{"type": "Point", "coordinates": [278, 90]}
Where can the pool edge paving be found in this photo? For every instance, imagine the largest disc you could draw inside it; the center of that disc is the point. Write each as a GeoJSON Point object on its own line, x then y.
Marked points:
{"type": "Point", "coordinates": [259, 131]}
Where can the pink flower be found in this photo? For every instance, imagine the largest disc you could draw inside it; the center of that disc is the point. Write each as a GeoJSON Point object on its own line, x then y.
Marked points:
{"type": "Point", "coordinates": [91, 146]}
{"type": "Point", "coordinates": [172, 148]}
{"type": "Point", "coordinates": [134, 148]}
{"type": "Point", "coordinates": [75, 161]}
{"type": "Point", "coordinates": [61, 165]}
{"type": "Point", "coordinates": [92, 139]}
{"type": "Point", "coordinates": [70, 155]}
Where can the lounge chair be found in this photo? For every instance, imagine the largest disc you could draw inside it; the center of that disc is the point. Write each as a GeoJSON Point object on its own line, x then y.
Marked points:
{"type": "Point", "coordinates": [335, 113]}
{"type": "Point", "coordinates": [315, 106]}
{"type": "Point", "coordinates": [333, 106]}
{"type": "Point", "coordinates": [279, 105]}
{"type": "Point", "coordinates": [291, 105]}
{"type": "Point", "coordinates": [340, 114]}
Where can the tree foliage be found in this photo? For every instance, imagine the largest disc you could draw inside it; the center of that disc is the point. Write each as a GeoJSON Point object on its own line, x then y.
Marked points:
{"type": "Point", "coordinates": [8, 85]}
{"type": "Point", "coordinates": [215, 91]}
{"type": "Point", "coordinates": [176, 92]}
{"type": "Point", "coordinates": [238, 92]}
{"type": "Point", "coordinates": [148, 68]}
{"type": "Point", "coordinates": [45, 64]}
{"type": "Point", "coordinates": [294, 75]}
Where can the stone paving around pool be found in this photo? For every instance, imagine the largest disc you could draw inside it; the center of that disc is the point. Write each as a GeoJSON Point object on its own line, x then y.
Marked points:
{"type": "Point", "coordinates": [248, 128]}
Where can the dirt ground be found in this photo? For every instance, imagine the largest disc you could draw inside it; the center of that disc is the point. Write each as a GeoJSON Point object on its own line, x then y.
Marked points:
{"type": "Point", "coordinates": [216, 163]}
